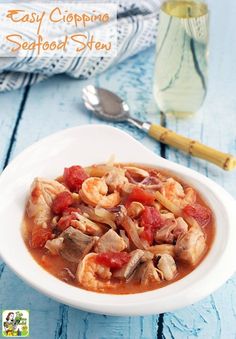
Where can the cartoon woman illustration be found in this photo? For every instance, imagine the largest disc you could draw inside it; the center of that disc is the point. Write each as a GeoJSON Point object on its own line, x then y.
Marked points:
{"type": "Point", "coordinates": [9, 324]}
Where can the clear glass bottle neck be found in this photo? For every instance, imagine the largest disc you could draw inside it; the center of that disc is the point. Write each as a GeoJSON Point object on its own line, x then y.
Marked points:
{"type": "Point", "coordinates": [187, 1]}
{"type": "Point", "coordinates": [185, 8]}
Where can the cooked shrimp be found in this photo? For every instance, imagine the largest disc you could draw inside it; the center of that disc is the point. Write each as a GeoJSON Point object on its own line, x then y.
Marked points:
{"type": "Point", "coordinates": [94, 192]}
{"type": "Point", "coordinates": [135, 209]}
{"type": "Point", "coordinates": [173, 191]}
{"type": "Point", "coordinates": [115, 179]}
{"type": "Point", "coordinates": [92, 275]}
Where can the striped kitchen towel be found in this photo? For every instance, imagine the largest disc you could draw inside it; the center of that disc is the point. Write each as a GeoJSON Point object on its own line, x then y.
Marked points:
{"type": "Point", "coordinates": [136, 31]}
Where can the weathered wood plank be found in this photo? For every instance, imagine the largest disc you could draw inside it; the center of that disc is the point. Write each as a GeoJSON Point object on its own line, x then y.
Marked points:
{"type": "Point", "coordinates": [213, 317]}
{"type": "Point", "coordinates": [89, 325]}
{"type": "Point", "coordinates": [9, 103]}
{"type": "Point", "coordinates": [14, 293]}
{"type": "Point", "coordinates": [56, 104]}
{"type": "Point", "coordinates": [51, 106]}
{"type": "Point", "coordinates": [214, 125]}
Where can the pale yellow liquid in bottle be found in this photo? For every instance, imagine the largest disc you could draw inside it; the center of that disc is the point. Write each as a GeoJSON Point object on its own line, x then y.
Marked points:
{"type": "Point", "coordinates": [180, 80]}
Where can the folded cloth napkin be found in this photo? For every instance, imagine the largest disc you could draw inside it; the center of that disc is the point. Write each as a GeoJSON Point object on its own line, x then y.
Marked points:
{"type": "Point", "coordinates": [136, 31]}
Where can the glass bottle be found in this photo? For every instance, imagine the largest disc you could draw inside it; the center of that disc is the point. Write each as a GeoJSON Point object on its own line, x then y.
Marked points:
{"type": "Point", "coordinates": [180, 79]}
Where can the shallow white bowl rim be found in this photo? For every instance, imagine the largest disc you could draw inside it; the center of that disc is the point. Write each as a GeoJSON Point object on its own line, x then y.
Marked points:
{"type": "Point", "coordinates": [95, 144]}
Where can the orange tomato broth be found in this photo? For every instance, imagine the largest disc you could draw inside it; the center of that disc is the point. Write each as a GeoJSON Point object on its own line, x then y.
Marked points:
{"type": "Point", "coordinates": [56, 264]}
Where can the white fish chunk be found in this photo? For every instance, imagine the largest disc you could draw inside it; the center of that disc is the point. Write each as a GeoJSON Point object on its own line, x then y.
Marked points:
{"type": "Point", "coordinates": [110, 241]}
{"type": "Point", "coordinates": [42, 194]}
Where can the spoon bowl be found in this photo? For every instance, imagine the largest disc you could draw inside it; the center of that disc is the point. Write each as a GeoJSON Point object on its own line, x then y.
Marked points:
{"type": "Point", "coordinates": [105, 104]}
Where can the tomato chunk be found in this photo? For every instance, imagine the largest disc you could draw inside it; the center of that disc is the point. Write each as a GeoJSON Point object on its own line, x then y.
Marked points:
{"type": "Point", "coordinates": [113, 259]}
{"type": "Point", "coordinates": [39, 236]}
{"type": "Point", "coordinates": [151, 221]}
{"type": "Point", "coordinates": [74, 176]}
{"type": "Point", "coordinates": [200, 213]}
{"type": "Point", "coordinates": [62, 201]}
{"type": "Point", "coordinates": [65, 222]}
{"type": "Point", "coordinates": [140, 195]}
{"type": "Point", "coordinates": [148, 235]}
{"type": "Point", "coordinates": [67, 217]}
{"type": "Point", "coordinates": [70, 210]}
{"type": "Point", "coordinates": [35, 194]}
{"type": "Point", "coordinates": [151, 217]}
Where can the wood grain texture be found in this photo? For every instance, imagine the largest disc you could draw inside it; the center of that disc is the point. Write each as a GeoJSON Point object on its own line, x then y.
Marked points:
{"type": "Point", "coordinates": [9, 108]}
{"type": "Point", "coordinates": [56, 104]}
{"type": "Point", "coordinates": [51, 106]}
{"type": "Point", "coordinates": [214, 125]}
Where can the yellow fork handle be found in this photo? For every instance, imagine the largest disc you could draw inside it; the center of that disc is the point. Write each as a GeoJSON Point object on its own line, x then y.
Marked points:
{"type": "Point", "coordinates": [193, 147]}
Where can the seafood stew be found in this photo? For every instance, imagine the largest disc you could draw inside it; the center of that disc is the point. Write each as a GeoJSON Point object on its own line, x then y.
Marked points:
{"type": "Point", "coordinates": [117, 228]}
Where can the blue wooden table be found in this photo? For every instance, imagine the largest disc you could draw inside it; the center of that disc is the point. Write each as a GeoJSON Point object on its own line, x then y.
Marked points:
{"type": "Point", "coordinates": [34, 112]}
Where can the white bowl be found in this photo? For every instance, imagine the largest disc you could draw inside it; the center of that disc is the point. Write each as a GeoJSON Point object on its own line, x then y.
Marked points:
{"type": "Point", "coordinates": [95, 144]}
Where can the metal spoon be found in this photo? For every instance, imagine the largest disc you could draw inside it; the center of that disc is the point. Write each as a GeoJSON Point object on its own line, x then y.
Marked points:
{"type": "Point", "coordinates": [108, 106]}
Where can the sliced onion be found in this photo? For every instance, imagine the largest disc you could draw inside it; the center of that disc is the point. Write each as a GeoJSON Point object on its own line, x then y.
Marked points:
{"type": "Point", "coordinates": [137, 171]}
{"type": "Point", "coordinates": [169, 205]}
{"type": "Point", "coordinates": [111, 160]}
{"type": "Point", "coordinates": [162, 249]}
{"type": "Point", "coordinates": [98, 170]}
{"type": "Point", "coordinates": [86, 225]}
{"type": "Point", "coordinates": [100, 214]}
{"type": "Point", "coordinates": [54, 245]}
{"type": "Point", "coordinates": [124, 237]}
{"type": "Point", "coordinates": [130, 228]}
{"type": "Point", "coordinates": [105, 216]}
